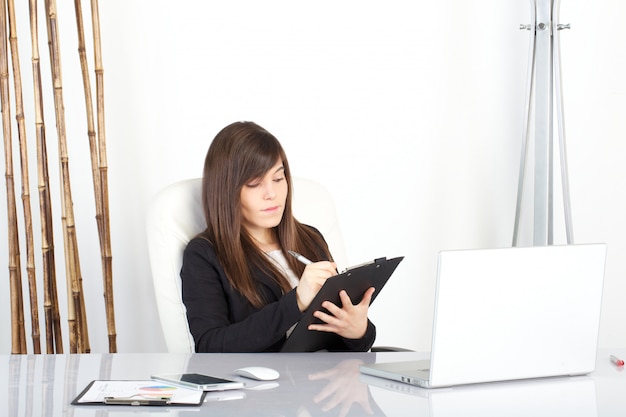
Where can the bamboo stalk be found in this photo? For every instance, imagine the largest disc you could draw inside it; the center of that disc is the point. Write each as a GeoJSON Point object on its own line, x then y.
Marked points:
{"type": "Point", "coordinates": [98, 160]}
{"type": "Point", "coordinates": [54, 339]}
{"type": "Point", "coordinates": [91, 130]}
{"type": "Point", "coordinates": [18, 338]}
{"type": "Point", "coordinates": [103, 168]}
{"type": "Point", "coordinates": [28, 218]}
{"type": "Point", "coordinates": [79, 336]}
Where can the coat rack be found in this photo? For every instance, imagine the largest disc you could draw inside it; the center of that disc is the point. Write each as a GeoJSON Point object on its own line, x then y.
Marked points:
{"type": "Point", "coordinates": [543, 84]}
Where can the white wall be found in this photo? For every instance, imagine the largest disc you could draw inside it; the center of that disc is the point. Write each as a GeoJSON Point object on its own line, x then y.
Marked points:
{"type": "Point", "coordinates": [410, 112]}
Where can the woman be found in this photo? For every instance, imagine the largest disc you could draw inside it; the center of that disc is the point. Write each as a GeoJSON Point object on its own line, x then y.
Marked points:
{"type": "Point", "coordinates": [242, 291]}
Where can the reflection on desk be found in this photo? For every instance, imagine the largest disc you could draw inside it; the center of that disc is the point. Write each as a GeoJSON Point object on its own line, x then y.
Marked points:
{"type": "Point", "coordinates": [311, 384]}
{"type": "Point", "coordinates": [571, 396]}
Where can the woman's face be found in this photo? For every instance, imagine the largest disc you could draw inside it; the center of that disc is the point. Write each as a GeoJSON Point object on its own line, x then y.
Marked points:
{"type": "Point", "coordinates": [263, 201]}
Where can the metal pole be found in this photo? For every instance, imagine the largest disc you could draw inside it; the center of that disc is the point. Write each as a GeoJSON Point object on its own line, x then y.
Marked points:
{"type": "Point", "coordinates": [544, 66]}
{"type": "Point", "coordinates": [543, 126]}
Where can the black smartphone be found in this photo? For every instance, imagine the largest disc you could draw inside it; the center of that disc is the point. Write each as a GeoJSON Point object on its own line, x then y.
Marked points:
{"type": "Point", "coordinates": [199, 381]}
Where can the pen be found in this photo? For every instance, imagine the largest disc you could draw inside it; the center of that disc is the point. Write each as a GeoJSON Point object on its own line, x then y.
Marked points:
{"type": "Point", "coordinates": [300, 258]}
{"type": "Point", "coordinates": [617, 361]}
{"type": "Point", "coordinates": [136, 400]}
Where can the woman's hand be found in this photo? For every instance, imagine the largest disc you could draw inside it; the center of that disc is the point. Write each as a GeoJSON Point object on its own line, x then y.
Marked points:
{"type": "Point", "coordinates": [348, 321]}
{"type": "Point", "coordinates": [344, 389]}
{"type": "Point", "coordinates": [313, 278]}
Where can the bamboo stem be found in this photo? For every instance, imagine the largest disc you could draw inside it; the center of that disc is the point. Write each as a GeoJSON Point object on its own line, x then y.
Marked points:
{"type": "Point", "coordinates": [91, 130]}
{"type": "Point", "coordinates": [28, 218]}
{"type": "Point", "coordinates": [79, 337]}
{"type": "Point", "coordinates": [104, 191]}
{"type": "Point", "coordinates": [54, 339]}
{"type": "Point", "coordinates": [77, 321]}
{"type": "Point", "coordinates": [18, 338]}
{"type": "Point", "coordinates": [98, 155]}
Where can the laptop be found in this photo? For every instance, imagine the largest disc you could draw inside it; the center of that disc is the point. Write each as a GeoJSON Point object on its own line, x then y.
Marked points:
{"type": "Point", "coordinates": [510, 313]}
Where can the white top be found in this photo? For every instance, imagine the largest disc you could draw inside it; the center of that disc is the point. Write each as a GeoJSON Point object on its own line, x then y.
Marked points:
{"type": "Point", "coordinates": [281, 262]}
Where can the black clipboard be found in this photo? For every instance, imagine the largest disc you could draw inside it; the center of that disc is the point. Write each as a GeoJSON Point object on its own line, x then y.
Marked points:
{"type": "Point", "coordinates": [355, 281]}
{"type": "Point", "coordinates": [126, 392]}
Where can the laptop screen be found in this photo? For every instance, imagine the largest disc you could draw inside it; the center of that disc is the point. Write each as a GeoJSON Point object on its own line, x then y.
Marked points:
{"type": "Point", "coordinates": [514, 313]}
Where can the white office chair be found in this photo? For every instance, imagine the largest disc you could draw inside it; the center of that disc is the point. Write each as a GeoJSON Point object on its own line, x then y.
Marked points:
{"type": "Point", "coordinates": [175, 216]}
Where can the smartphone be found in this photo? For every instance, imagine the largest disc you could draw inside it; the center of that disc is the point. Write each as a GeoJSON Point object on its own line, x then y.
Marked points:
{"type": "Point", "coordinates": [199, 382]}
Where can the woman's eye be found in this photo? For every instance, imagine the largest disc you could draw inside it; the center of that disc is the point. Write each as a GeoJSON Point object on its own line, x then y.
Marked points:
{"type": "Point", "coordinates": [279, 179]}
{"type": "Point", "coordinates": [253, 184]}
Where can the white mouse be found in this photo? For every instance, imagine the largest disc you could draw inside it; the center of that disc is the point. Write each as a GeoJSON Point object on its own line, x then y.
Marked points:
{"type": "Point", "coordinates": [258, 372]}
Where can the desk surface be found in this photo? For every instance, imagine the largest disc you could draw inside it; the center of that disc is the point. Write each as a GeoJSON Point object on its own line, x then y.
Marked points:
{"type": "Point", "coordinates": [311, 384]}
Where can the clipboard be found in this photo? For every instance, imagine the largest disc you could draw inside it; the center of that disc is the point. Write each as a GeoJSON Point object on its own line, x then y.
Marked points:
{"type": "Point", "coordinates": [355, 280]}
{"type": "Point", "coordinates": [138, 393]}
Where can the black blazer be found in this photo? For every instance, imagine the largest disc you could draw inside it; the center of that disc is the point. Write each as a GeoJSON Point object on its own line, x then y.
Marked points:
{"type": "Point", "coordinates": [222, 320]}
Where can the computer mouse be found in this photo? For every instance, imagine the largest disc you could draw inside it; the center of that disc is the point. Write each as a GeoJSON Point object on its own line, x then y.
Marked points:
{"type": "Point", "coordinates": [259, 373]}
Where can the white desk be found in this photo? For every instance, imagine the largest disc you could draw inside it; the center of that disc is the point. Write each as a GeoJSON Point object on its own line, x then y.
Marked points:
{"type": "Point", "coordinates": [314, 384]}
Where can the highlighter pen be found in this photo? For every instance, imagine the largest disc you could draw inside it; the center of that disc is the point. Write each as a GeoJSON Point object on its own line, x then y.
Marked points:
{"type": "Point", "coordinates": [300, 258]}
{"type": "Point", "coordinates": [617, 361]}
{"type": "Point", "coordinates": [137, 400]}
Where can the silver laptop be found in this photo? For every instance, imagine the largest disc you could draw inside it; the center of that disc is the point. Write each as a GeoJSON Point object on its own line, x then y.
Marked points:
{"type": "Point", "coordinates": [510, 313]}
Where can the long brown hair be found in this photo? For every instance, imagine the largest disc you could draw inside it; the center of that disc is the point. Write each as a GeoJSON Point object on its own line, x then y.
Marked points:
{"type": "Point", "coordinates": [241, 152]}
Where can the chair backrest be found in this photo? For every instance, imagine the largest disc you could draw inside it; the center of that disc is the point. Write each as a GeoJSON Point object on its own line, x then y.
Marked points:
{"type": "Point", "coordinates": [175, 217]}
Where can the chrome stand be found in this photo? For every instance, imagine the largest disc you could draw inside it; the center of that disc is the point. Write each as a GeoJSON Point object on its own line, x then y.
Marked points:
{"type": "Point", "coordinates": [543, 79]}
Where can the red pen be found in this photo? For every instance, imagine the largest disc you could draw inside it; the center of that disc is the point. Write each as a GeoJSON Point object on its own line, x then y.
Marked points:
{"type": "Point", "coordinates": [617, 361]}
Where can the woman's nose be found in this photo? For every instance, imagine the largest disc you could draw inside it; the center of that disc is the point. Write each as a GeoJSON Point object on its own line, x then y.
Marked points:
{"type": "Point", "coordinates": [269, 191]}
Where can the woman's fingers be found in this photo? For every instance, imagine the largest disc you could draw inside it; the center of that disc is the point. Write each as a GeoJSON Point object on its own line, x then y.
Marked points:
{"type": "Point", "coordinates": [313, 278]}
{"type": "Point", "coordinates": [349, 320]}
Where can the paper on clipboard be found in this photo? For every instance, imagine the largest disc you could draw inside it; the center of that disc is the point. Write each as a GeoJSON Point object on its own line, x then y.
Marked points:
{"type": "Point", "coordinates": [355, 280]}
{"type": "Point", "coordinates": [139, 392]}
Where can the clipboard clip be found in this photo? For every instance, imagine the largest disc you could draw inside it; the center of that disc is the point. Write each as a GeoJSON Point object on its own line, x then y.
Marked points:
{"type": "Point", "coordinates": [376, 261]}
{"type": "Point", "coordinates": [137, 400]}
